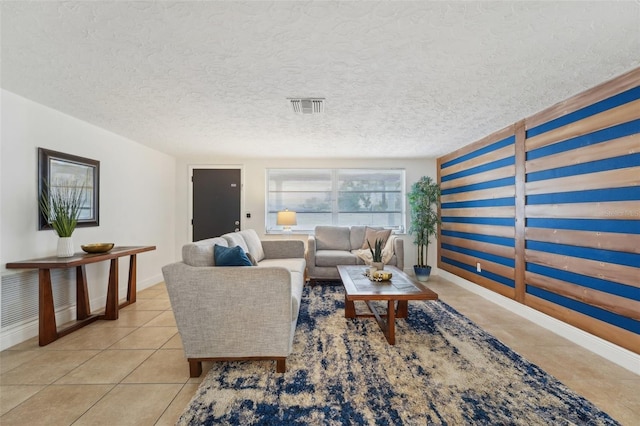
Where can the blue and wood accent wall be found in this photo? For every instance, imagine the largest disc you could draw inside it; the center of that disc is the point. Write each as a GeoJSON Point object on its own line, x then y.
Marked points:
{"type": "Point", "coordinates": [550, 210]}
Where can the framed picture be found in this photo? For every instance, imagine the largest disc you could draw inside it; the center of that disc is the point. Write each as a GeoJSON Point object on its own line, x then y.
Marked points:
{"type": "Point", "coordinates": [59, 171]}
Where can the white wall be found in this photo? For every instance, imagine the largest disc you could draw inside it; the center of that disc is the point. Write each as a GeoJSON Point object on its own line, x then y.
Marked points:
{"type": "Point", "coordinates": [253, 195]}
{"type": "Point", "coordinates": [137, 195]}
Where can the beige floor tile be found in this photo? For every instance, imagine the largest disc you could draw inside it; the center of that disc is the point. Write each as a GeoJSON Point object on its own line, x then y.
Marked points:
{"type": "Point", "coordinates": [174, 343]}
{"type": "Point", "coordinates": [619, 398]}
{"type": "Point", "coordinates": [91, 338]}
{"type": "Point", "coordinates": [165, 319]}
{"type": "Point", "coordinates": [46, 368]}
{"type": "Point", "coordinates": [11, 359]}
{"type": "Point", "coordinates": [524, 332]}
{"type": "Point", "coordinates": [27, 345]}
{"type": "Point", "coordinates": [158, 304]}
{"type": "Point", "coordinates": [130, 319]}
{"type": "Point", "coordinates": [178, 405]}
{"type": "Point", "coordinates": [151, 293]}
{"type": "Point", "coordinates": [12, 395]}
{"type": "Point", "coordinates": [55, 405]}
{"type": "Point", "coordinates": [109, 366]}
{"type": "Point", "coordinates": [164, 366]}
{"type": "Point", "coordinates": [131, 404]}
{"type": "Point", "coordinates": [146, 338]}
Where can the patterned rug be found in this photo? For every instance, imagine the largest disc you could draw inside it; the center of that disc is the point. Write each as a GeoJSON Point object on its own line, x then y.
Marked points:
{"type": "Point", "coordinates": [443, 370]}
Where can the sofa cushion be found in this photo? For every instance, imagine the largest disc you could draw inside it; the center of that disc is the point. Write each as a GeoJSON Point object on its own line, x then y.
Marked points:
{"type": "Point", "coordinates": [230, 256]}
{"type": "Point", "coordinates": [291, 264]}
{"type": "Point", "coordinates": [335, 257]}
{"type": "Point", "coordinates": [254, 245]}
{"type": "Point", "coordinates": [357, 236]}
{"type": "Point", "coordinates": [200, 253]}
{"type": "Point", "coordinates": [332, 238]}
{"type": "Point", "coordinates": [252, 259]}
{"type": "Point", "coordinates": [371, 235]}
{"type": "Point", "coordinates": [236, 239]}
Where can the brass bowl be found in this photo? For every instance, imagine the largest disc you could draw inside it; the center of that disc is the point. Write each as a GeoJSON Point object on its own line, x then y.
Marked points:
{"type": "Point", "coordinates": [97, 247]}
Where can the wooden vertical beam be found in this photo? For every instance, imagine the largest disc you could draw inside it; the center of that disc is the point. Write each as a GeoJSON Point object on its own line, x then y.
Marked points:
{"type": "Point", "coordinates": [83, 309]}
{"type": "Point", "coordinates": [131, 286]}
{"type": "Point", "coordinates": [520, 223]}
{"type": "Point", "coordinates": [111, 309]}
{"type": "Point", "coordinates": [48, 331]}
{"type": "Point", "coordinates": [439, 234]}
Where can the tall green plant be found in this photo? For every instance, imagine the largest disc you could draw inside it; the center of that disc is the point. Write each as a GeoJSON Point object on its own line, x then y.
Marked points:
{"type": "Point", "coordinates": [424, 198]}
{"type": "Point", "coordinates": [60, 205]}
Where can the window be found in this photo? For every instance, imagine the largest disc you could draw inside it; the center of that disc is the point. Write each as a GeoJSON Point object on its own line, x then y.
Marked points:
{"type": "Point", "coordinates": [342, 197]}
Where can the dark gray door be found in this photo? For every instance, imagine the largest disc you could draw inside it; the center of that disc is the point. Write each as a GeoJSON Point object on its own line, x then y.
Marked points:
{"type": "Point", "coordinates": [216, 202]}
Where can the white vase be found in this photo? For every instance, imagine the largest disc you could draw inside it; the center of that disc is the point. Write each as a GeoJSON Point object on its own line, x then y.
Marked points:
{"type": "Point", "coordinates": [65, 247]}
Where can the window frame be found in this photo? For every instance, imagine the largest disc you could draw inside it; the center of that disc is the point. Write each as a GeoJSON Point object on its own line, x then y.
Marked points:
{"type": "Point", "coordinates": [335, 190]}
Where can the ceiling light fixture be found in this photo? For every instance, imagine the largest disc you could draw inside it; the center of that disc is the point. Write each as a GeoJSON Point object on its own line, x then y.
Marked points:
{"type": "Point", "coordinates": [307, 105]}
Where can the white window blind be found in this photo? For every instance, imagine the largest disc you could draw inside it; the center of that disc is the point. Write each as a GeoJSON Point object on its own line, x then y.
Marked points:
{"type": "Point", "coordinates": [343, 197]}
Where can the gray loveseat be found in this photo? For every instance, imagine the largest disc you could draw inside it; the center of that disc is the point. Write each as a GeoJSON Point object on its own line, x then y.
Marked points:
{"type": "Point", "coordinates": [237, 312]}
{"type": "Point", "coordinates": [331, 246]}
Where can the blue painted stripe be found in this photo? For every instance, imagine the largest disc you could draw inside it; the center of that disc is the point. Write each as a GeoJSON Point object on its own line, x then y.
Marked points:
{"type": "Point", "coordinates": [507, 181]}
{"type": "Point", "coordinates": [615, 132]}
{"type": "Point", "coordinates": [482, 255]}
{"type": "Point", "coordinates": [494, 202]}
{"type": "Point", "coordinates": [592, 311]}
{"type": "Point", "coordinates": [599, 284]}
{"type": "Point", "coordinates": [508, 161]}
{"type": "Point", "coordinates": [492, 147]}
{"type": "Point", "coordinates": [593, 109]}
{"type": "Point", "coordinates": [495, 277]}
{"type": "Point", "coordinates": [630, 160]}
{"type": "Point", "coordinates": [503, 241]}
{"type": "Point", "coordinates": [599, 225]}
{"type": "Point", "coordinates": [608, 256]}
{"type": "Point", "coordinates": [499, 221]}
{"type": "Point", "coordinates": [595, 195]}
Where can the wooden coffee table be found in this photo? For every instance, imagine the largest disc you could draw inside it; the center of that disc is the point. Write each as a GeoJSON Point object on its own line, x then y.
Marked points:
{"type": "Point", "coordinates": [401, 288]}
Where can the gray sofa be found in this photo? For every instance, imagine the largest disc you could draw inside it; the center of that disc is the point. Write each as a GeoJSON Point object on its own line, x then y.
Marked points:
{"type": "Point", "coordinates": [331, 246]}
{"type": "Point", "coordinates": [237, 312]}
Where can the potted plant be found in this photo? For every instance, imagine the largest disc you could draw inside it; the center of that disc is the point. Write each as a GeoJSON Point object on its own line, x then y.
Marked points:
{"type": "Point", "coordinates": [60, 205]}
{"type": "Point", "coordinates": [423, 203]}
{"type": "Point", "coordinates": [376, 254]}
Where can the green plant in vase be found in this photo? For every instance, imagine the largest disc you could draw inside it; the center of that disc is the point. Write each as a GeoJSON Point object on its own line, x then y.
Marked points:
{"type": "Point", "coordinates": [376, 253]}
{"type": "Point", "coordinates": [424, 199]}
{"type": "Point", "coordinates": [61, 205]}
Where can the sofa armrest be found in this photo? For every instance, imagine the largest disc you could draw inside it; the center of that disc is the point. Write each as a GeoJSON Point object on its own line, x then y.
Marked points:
{"type": "Point", "coordinates": [283, 249]}
{"type": "Point", "coordinates": [311, 251]}
{"type": "Point", "coordinates": [231, 311]}
{"type": "Point", "coordinates": [398, 250]}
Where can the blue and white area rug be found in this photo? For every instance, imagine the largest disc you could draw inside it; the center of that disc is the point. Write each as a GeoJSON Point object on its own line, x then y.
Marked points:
{"type": "Point", "coordinates": [443, 370]}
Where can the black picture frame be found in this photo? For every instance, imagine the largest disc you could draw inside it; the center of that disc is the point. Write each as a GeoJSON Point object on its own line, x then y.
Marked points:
{"type": "Point", "coordinates": [54, 166]}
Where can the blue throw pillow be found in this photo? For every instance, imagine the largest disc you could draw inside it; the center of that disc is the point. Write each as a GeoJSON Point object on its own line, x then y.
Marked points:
{"type": "Point", "coordinates": [230, 256]}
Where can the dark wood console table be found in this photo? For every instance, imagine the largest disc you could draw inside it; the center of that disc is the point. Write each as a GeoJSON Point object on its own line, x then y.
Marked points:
{"type": "Point", "coordinates": [48, 331]}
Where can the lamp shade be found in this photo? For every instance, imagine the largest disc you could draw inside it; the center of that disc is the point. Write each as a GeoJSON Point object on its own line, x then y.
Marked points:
{"type": "Point", "coordinates": [286, 218]}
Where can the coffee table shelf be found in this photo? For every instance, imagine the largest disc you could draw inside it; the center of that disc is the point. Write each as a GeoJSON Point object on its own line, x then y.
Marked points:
{"type": "Point", "coordinates": [397, 291]}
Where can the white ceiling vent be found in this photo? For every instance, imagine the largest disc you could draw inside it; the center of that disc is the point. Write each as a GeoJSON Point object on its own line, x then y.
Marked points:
{"type": "Point", "coordinates": [307, 105]}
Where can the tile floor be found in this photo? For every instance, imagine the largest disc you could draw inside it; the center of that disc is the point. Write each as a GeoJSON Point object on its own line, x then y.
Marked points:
{"type": "Point", "coordinates": [132, 371]}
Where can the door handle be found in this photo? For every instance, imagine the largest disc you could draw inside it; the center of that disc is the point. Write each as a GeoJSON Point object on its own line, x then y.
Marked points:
{"type": "Point", "coordinates": [237, 223]}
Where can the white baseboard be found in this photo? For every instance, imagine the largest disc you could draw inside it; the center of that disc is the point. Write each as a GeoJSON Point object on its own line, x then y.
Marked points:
{"type": "Point", "coordinates": [26, 331]}
{"type": "Point", "coordinates": [604, 348]}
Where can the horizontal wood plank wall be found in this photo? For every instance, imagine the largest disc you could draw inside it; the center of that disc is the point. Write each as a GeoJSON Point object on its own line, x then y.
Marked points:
{"type": "Point", "coordinates": [571, 176]}
{"type": "Point", "coordinates": [478, 212]}
{"type": "Point", "coordinates": [582, 235]}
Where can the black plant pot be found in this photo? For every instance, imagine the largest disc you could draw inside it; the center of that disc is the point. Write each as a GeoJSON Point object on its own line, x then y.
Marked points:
{"type": "Point", "coordinates": [422, 272]}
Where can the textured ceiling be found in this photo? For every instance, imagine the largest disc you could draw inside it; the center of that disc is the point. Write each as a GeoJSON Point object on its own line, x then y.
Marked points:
{"type": "Point", "coordinates": [400, 79]}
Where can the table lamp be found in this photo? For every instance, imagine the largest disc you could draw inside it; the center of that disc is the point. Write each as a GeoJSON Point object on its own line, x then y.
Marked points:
{"type": "Point", "coordinates": [286, 219]}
